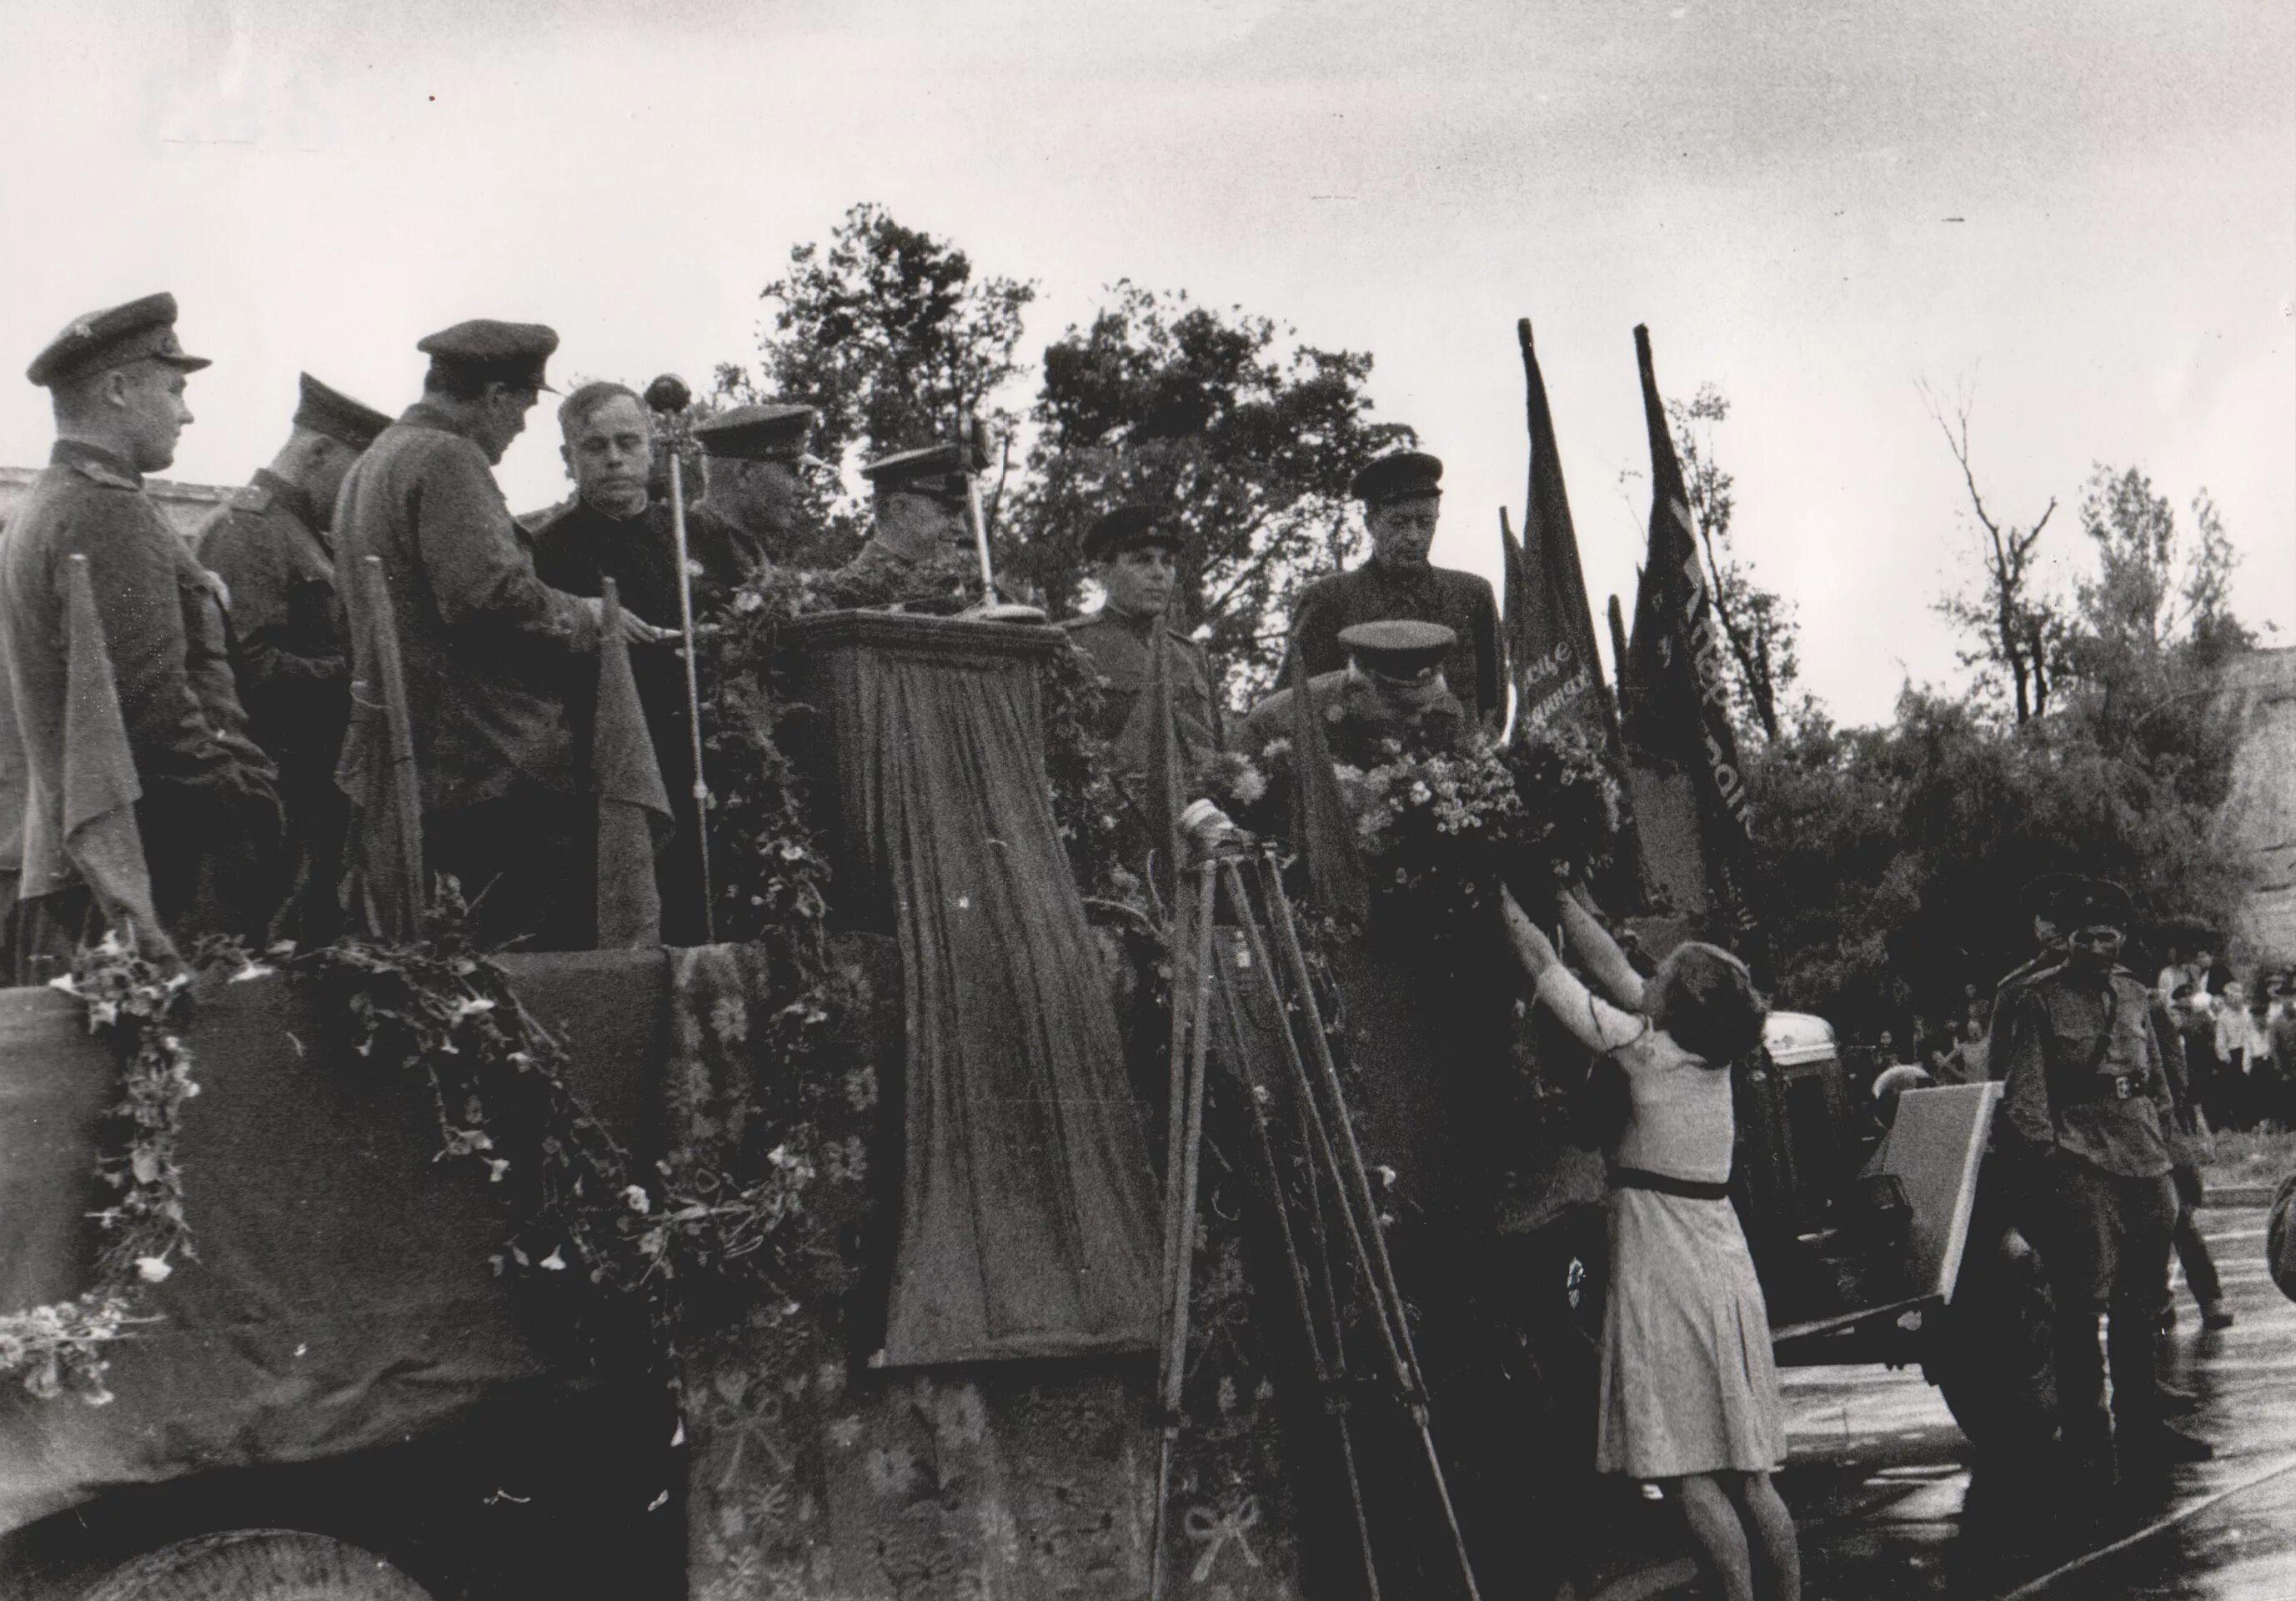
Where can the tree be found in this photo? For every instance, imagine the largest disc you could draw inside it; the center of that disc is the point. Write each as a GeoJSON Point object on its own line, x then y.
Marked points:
{"type": "Point", "coordinates": [1759, 624]}
{"type": "Point", "coordinates": [890, 335]}
{"type": "Point", "coordinates": [2016, 629]}
{"type": "Point", "coordinates": [1163, 400]}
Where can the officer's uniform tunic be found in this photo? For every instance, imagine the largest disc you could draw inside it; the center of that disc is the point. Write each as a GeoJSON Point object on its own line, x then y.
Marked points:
{"type": "Point", "coordinates": [293, 672]}
{"type": "Point", "coordinates": [1118, 650]}
{"type": "Point", "coordinates": [209, 806]}
{"type": "Point", "coordinates": [491, 655]}
{"type": "Point", "coordinates": [1373, 592]}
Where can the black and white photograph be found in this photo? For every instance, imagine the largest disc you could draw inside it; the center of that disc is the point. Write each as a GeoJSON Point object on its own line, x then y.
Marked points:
{"type": "Point", "coordinates": [1147, 800]}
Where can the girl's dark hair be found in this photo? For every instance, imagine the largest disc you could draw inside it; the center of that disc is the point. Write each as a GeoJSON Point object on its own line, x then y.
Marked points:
{"type": "Point", "coordinates": [1709, 1004]}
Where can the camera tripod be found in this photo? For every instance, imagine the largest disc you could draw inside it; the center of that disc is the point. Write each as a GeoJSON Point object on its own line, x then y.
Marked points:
{"type": "Point", "coordinates": [1334, 1186]}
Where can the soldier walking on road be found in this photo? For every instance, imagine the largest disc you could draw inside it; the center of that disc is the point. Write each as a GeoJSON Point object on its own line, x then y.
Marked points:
{"type": "Point", "coordinates": [273, 546]}
{"type": "Point", "coordinates": [1131, 551]}
{"type": "Point", "coordinates": [491, 652]}
{"type": "Point", "coordinates": [1402, 496]}
{"type": "Point", "coordinates": [2086, 1095]}
{"type": "Point", "coordinates": [209, 810]}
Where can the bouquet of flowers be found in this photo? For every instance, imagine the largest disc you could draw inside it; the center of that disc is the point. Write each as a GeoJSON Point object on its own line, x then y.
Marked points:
{"type": "Point", "coordinates": [1570, 807]}
{"type": "Point", "coordinates": [1438, 830]}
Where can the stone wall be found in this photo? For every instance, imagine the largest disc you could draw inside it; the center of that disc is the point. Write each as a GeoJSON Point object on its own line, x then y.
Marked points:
{"type": "Point", "coordinates": [186, 505]}
{"type": "Point", "coordinates": [2260, 815]}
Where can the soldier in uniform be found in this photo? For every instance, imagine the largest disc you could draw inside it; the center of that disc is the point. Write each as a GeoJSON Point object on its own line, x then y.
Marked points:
{"type": "Point", "coordinates": [1402, 495]}
{"type": "Point", "coordinates": [754, 463]}
{"type": "Point", "coordinates": [2088, 1106]}
{"type": "Point", "coordinates": [919, 553]}
{"type": "Point", "coordinates": [209, 806]}
{"type": "Point", "coordinates": [1392, 688]}
{"type": "Point", "coordinates": [2041, 897]}
{"type": "Point", "coordinates": [271, 546]}
{"type": "Point", "coordinates": [1130, 551]}
{"type": "Point", "coordinates": [490, 652]}
{"type": "Point", "coordinates": [615, 528]}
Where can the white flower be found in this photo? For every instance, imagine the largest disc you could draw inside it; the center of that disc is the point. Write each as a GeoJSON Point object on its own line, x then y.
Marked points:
{"type": "Point", "coordinates": [471, 1005]}
{"type": "Point", "coordinates": [497, 1167]}
{"type": "Point", "coordinates": [251, 970]}
{"type": "Point", "coordinates": [152, 1270]}
{"type": "Point", "coordinates": [637, 1196]}
{"type": "Point", "coordinates": [555, 1263]}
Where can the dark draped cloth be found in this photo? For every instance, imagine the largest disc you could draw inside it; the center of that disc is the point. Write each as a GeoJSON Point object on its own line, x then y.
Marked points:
{"type": "Point", "coordinates": [1028, 1217]}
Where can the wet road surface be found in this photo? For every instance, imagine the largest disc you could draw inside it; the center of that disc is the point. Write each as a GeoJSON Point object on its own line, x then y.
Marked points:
{"type": "Point", "coordinates": [1890, 1508]}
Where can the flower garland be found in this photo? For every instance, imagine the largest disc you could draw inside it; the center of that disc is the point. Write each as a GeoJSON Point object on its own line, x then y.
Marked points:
{"type": "Point", "coordinates": [145, 1009]}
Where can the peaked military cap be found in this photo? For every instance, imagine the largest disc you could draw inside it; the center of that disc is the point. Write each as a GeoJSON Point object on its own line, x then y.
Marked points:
{"type": "Point", "coordinates": [1398, 475]}
{"type": "Point", "coordinates": [758, 433]}
{"type": "Point", "coordinates": [141, 330]}
{"type": "Point", "coordinates": [334, 414]}
{"type": "Point", "coordinates": [511, 353]}
{"type": "Point", "coordinates": [1399, 647]}
{"type": "Point", "coordinates": [1127, 527]}
{"type": "Point", "coordinates": [2095, 902]}
{"type": "Point", "coordinates": [934, 469]}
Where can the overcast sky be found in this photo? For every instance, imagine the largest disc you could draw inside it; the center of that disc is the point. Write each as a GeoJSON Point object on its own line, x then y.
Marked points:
{"type": "Point", "coordinates": [2088, 210]}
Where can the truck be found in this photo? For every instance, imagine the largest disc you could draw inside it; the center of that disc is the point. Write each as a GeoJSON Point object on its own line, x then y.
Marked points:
{"type": "Point", "coordinates": [350, 1395]}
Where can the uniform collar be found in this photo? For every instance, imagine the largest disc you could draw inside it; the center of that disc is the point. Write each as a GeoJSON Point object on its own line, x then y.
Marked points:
{"type": "Point", "coordinates": [423, 414]}
{"type": "Point", "coordinates": [292, 498]}
{"type": "Point", "coordinates": [1143, 628]}
{"type": "Point", "coordinates": [93, 461]}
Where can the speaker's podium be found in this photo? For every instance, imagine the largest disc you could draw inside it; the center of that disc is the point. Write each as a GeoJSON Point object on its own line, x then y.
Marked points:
{"type": "Point", "coordinates": [1028, 1224]}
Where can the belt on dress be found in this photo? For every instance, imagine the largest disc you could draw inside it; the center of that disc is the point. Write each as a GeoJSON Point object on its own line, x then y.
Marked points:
{"type": "Point", "coordinates": [1667, 1184]}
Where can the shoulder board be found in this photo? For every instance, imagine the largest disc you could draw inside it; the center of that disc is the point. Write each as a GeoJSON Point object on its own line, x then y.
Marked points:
{"type": "Point", "coordinates": [1085, 621]}
{"type": "Point", "coordinates": [250, 497]}
{"type": "Point", "coordinates": [110, 478]}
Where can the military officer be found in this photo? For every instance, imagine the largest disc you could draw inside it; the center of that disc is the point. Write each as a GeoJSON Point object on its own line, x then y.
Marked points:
{"type": "Point", "coordinates": [919, 553]}
{"type": "Point", "coordinates": [1402, 495]}
{"type": "Point", "coordinates": [1393, 689]}
{"type": "Point", "coordinates": [271, 546]}
{"type": "Point", "coordinates": [2041, 899]}
{"type": "Point", "coordinates": [490, 652]}
{"type": "Point", "coordinates": [209, 805]}
{"type": "Point", "coordinates": [1130, 551]}
{"type": "Point", "coordinates": [614, 527]}
{"type": "Point", "coordinates": [754, 463]}
{"type": "Point", "coordinates": [2086, 1097]}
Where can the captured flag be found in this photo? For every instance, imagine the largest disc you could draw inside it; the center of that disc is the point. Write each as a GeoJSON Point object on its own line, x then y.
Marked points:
{"type": "Point", "coordinates": [100, 788]}
{"type": "Point", "coordinates": [1550, 630]}
{"type": "Point", "coordinates": [634, 817]}
{"type": "Point", "coordinates": [1672, 683]}
{"type": "Point", "coordinates": [1321, 832]}
{"type": "Point", "coordinates": [383, 891]}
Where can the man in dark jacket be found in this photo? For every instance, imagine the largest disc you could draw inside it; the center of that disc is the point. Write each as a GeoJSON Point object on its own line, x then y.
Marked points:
{"type": "Point", "coordinates": [209, 809]}
{"type": "Point", "coordinates": [753, 500]}
{"type": "Point", "coordinates": [1402, 495]}
{"type": "Point", "coordinates": [273, 547]}
{"type": "Point", "coordinates": [615, 528]}
{"type": "Point", "coordinates": [1392, 691]}
{"type": "Point", "coordinates": [1130, 552]}
{"type": "Point", "coordinates": [490, 652]}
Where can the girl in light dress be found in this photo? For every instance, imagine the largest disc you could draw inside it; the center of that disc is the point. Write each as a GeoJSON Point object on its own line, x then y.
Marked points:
{"type": "Point", "coordinates": [1689, 1392]}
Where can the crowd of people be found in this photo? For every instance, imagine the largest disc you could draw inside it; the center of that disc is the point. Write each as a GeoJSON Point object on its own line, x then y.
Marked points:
{"type": "Point", "coordinates": [234, 660]}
